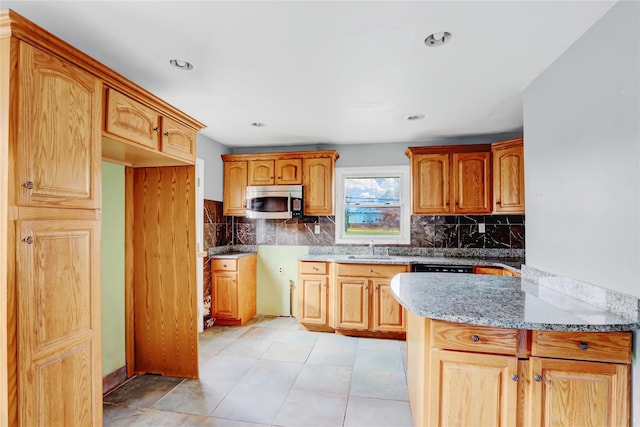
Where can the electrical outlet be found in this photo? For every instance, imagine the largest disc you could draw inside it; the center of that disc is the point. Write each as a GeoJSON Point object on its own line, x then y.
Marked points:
{"type": "Point", "coordinates": [280, 270]}
{"type": "Point", "coordinates": [481, 227]}
{"type": "Point", "coordinates": [316, 229]}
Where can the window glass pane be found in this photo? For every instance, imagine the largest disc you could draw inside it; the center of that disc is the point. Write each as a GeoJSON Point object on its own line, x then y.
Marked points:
{"type": "Point", "coordinates": [372, 221]}
{"type": "Point", "coordinates": [367, 191]}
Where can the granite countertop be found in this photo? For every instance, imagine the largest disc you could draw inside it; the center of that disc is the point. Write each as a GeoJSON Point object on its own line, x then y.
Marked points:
{"type": "Point", "coordinates": [231, 255]}
{"type": "Point", "coordinates": [398, 259]}
{"type": "Point", "coordinates": [507, 302]}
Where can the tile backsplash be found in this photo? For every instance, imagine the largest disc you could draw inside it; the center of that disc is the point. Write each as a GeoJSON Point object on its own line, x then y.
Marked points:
{"type": "Point", "coordinates": [427, 231]}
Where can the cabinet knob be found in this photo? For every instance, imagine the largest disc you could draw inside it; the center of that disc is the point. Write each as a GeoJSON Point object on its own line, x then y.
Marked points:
{"type": "Point", "coordinates": [515, 377]}
{"type": "Point", "coordinates": [28, 240]}
{"type": "Point", "coordinates": [537, 377]}
{"type": "Point", "coordinates": [371, 270]}
{"type": "Point", "coordinates": [224, 265]}
{"type": "Point", "coordinates": [156, 129]}
{"type": "Point", "coordinates": [584, 346]}
{"type": "Point", "coordinates": [475, 338]}
{"type": "Point", "coordinates": [315, 268]}
{"type": "Point", "coordinates": [366, 287]}
{"type": "Point", "coordinates": [166, 133]}
{"type": "Point", "coordinates": [376, 288]}
{"type": "Point", "coordinates": [279, 177]}
{"type": "Point", "coordinates": [324, 284]}
{"type": "Point", "coordinates": [498, 202]}
{"type": "Point", "coordinates": [28, 185]}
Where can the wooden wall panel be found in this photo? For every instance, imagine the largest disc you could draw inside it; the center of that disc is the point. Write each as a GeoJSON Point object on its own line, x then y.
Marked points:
{"type": "Point", "coordinates": [164, 271]}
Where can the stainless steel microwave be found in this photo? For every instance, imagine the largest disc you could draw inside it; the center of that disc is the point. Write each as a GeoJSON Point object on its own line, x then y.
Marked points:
{"type": "Point", "coordinates": [274, 201]}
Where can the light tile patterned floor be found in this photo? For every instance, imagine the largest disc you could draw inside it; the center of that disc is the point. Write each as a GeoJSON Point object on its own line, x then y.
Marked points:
{"type": "Point", "coordinates": [271, 373]}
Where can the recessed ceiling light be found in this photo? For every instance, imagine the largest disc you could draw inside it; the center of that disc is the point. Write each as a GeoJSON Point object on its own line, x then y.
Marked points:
{"type": "Point", "coordinates": [258, 125]}
{"type": "Point", "coordinates": [438, 39]}
{"type": "Point", "coordinates": [414, 117]}
{"type": "Point", "coordinates": [181, 64]}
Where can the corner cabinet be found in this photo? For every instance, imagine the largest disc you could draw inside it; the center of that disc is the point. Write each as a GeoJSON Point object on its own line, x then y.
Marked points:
{"type": "Point", "coordinates": [465, 374]}
{"type": "Point", "coordinates": [313, 169]}
{"type": "Point", "coordinates": [508, 176]}
{"type": "Point", "coordinates": [450, 179]}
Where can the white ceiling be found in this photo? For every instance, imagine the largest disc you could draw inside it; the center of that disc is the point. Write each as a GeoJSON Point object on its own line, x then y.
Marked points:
{"type": "Point", "coordinates": [335, 72]}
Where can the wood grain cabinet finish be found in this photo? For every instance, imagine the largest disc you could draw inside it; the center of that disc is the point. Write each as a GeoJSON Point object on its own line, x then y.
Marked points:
{"type": "Point", "coordinates": [58, 145]}
{"type": "Point", "coordinates": [364, 301]}
{"type": "Point", "coordinates": [275, 172]}
{"type": "Point", "coordinates": [234, 201]}
{"type": "Point", "coordinates": [460, 374]}
{"type": "Point", "coordinates": [178, 140]}
{"type": "Point", "coordinates": [508, 176]}
{"type": "Point", "coordinates": [450, 179]}
{"type": "Point", "coordinates": [313, 294]}
{"type": "Point", "coordinates": [318, 181]}
{"type": "Point", "coordinates": [132, 120]}
{"type": "Point", "coordinates": [233, 289]}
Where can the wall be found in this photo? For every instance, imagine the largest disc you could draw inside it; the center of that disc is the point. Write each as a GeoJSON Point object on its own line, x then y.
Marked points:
{"type": "Point", "coordinates": [582, 154]}
{"type": "Point", "coordinates": [210, 151]}
{"type": "Point", "coordinates": [113, 319]}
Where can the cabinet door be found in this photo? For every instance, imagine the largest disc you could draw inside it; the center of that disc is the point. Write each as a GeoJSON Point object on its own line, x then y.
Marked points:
{"type": "Point", "coordinates": [472, 192]}
{"type": "Point", "coordinates": [288, 172]}
{"type": "Point", "coordinates": [388, 314]}
{"type": "Point", "coordinates": [224, 295]}
{"type": "Point", "coordinates": [131, 120]}
{"type": "Point", "coordinates": [178, 140]}
{"type": "Point", "coordinates": [492, 271]}
{"type": "Point", "coordinates": [472, 389]}
{"type": "Point", "coordinates": [318, 186]}
{"type": "Point", "coordinates": [508, 180]}
{"type": "Point", "coordinates": [353, 303]}
{"type": "Point", "coordinates": [261, 172]}
{"type": "Point", "coordinates": [235, 188]}
{"type": "Point", "coordinates": [430, 184]}
{"type": "Point", "coordinates": [59, 323]}
{"type": "Point", "coordinates": [575, 393]}
{"type": "Point", "coordinates": [313, 299]}
{"type": "Point", "coordinates": [58, 155]}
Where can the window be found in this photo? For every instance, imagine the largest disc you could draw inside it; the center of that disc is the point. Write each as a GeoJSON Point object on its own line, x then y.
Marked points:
{"type": "Point", "coordinates": [372, 204]}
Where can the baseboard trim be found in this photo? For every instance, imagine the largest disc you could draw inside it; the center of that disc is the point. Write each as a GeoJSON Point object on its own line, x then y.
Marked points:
{"type": "Point", "coordinates": [114, 379]}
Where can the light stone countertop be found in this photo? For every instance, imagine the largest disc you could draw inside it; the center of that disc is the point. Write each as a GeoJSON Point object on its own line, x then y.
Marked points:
{"type": "Point", "coordinates": [399, 259]}
{"type": "Point", "coordinates": [231, 255]}
{"type": "Point", "coordinates": [507, 302]}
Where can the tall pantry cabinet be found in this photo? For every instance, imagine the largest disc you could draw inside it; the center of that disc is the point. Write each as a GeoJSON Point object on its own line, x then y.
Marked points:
{"type": "Point", "coordinates": [52, 100]}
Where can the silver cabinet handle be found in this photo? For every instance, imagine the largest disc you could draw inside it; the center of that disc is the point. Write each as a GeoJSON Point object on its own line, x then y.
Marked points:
{"type": "Point", "coordinates": [515, 377]}
{"type": "Point", "coordinates": [28, 185]}
{"type": "Point", "coordinates": [28, 240]}
{"type": "Point", "coordinates": [537, 377]}
{"type": "Point", "coordinates": [475, 338]}
{"type": "Point", "coordinates": [584, 346]}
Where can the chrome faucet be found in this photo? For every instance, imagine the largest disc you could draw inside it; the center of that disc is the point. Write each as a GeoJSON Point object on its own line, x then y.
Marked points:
{"type": "Point", "coordinates": [372, 246]}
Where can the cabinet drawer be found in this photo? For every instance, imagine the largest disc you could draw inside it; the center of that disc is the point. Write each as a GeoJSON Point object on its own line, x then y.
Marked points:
{"type": "Point", "coordinates": [307, 267]}
{"type": "Point", "coordinates": [479, 339]}
{"type": "Point", "coordinates": [131, 120]}
{"type": "Point", "coordinates": [224, 264]}
{"type": "Point", "coordinates": [596, 346]}
{"type": "Point", "coordinates": [370, 270]}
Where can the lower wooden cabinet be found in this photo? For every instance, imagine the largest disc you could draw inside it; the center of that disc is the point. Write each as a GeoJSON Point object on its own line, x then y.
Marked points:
{"type": "Point", "coordinates": [233, 289]}
{"type": "Point", "coordinates": [313, 294]}
{"type": "Point", "coordinates": [540, 378]}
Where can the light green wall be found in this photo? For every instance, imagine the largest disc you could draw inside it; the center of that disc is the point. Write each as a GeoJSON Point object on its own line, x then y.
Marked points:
{"type": "Point", "coordinates": [113, 335]}
{"type": "Point", "coordinates": [273, 288]}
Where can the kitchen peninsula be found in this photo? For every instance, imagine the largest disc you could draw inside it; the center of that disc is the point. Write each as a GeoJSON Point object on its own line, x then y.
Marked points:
{"type": "Point", "coordinates": [490, 350]}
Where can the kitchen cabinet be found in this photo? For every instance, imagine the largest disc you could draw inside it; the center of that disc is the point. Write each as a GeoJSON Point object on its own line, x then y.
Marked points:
{"type": "Point", "coordinates": [234, 201]}
{"type": "Point", "coordinates": [450, 179]}
{"type": "Point", "coordinates": [130, 124]}
{"type": "Point", "coordinates": [313, 169]}
{"type": "Point", "coordinates": [313, 294]}
{"type": "Point", "coordinates": [233, 289]}
{"type": "Point", "coordinates": [508, 176]}
{"type": "Point", "coordinates": [466, 374]}
{"type": "Point", "coordinates": [53, 139]}
{"type": "Point", "coordinates": [318, 181]}
{"type": "Point", "coordinates": [494, 271]}
{"type": "Point", "coordinates": [275, 172]}
{"type": "Point", "coordinates": [364, 301]}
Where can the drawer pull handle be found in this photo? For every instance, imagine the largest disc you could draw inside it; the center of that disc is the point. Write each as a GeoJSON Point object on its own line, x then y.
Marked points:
{"type": "Point", "coordinates": [584, 346]}
{"type": "Point", "coordinates": [537, 377]}
{"type": "Point", "coordinates": [515, 377]}
{"type": "Point", "coordinates": [475, 338]}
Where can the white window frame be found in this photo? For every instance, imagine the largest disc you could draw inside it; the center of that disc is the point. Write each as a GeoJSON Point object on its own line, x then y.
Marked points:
{"type": "Point", "coordinates": [375, 172]}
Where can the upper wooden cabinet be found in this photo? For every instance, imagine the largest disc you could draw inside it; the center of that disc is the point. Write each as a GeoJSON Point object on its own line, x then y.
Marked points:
{"type": "Point", "coordinates": [508, 176]}
{"type": "Point", "coordinates": [128, 121]}
{"type": "Point", "coordinates": [275, 172]}
{"type": "Point", "coordinates": [450, 179]}
{"type": "Point", "coordinates": [58, 148]}
{"type": "Point", "coordinates": [313, 169]}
